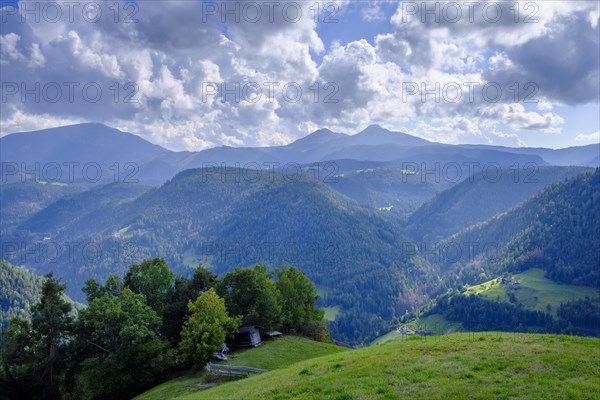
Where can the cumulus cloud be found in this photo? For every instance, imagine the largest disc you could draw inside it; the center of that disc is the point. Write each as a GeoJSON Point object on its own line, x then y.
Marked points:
{"type": "Point", "coordinates": [8, 47]}
{"type": "Point", "coordinates": [593, 137]}
{"type": "Point", "coordinates": [459, 130]}
{"type": "Point", "coordinates": [526, 38]}
{"type": "Point", "coordinates": [517, 117]}
{"type": "Point", "coordinates": [560, 63]}
{"type": "Point", "coordinates": [19, 121]}
{"type": "Point", "coordinates": [191, 77]}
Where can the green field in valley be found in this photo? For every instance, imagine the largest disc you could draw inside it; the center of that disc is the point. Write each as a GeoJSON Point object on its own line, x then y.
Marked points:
{"type": "Point", "coordinates": [534, 291]}
{"type": "Point", "coordinates": [434, 324]}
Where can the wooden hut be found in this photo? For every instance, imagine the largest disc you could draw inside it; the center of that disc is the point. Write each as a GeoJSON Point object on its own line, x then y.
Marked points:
{"type": "Point", "coordinates": [246, 336]}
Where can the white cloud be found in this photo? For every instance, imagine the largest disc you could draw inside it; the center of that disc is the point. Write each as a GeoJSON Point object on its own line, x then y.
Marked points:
{"type": "Point", "coordinates": [464, 130]}
{"type": "Point", "coordinates": [518, 118]}
{"type": "Point", "coordinates": [544, 105]}
{"type": "Point", "coordinates": [37, 59]}
{"type": "Point", "coordinates": [8, 48]}
{"type": "Point", "coordinates": [170, 55]}
{"type": "Point", "coordinates": [593, 137]}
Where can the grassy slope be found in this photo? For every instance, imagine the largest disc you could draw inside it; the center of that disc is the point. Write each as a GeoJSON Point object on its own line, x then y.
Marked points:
{"type": "Point", "coordinates": [272, 354]}
{"type": "Point", "coordinates": [175, 388]}
{"type": "Point", "coordinates": [475, 366]}
{"type": "Point", "coordinates": [281, 352]}
{"type": "Point", "coordinates": [535, 291]}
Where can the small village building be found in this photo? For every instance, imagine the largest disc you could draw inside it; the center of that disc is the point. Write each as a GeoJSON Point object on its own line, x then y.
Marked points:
{"type": "Point", "coordinates": [510, 282]}
{"type": "Point", "coordinates": [246, 336]}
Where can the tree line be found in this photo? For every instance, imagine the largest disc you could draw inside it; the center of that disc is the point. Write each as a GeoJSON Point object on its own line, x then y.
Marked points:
{"type": "Point", "coordinates": [140, 327]}
{"type": "Point", "coordinates": [475, 313]}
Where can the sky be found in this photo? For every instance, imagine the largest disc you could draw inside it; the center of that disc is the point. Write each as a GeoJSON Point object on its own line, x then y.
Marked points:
{"type": "Point", "coordinates": [190, 75]}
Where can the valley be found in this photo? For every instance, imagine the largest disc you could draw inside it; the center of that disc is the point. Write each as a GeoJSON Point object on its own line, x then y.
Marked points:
{"type": "Point", "coordinates": [376, 231]}
{"type": "Point", "coordinates": [324, 200]}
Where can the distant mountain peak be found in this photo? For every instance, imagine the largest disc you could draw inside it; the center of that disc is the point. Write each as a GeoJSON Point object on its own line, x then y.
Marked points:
{"type": "Point", "coordinates": [373, 128]}
{"type": "Point", "coordinates": [84, 143]}
{"type": "Point", "coordinates": [322, 132]}
{"type": "Point", "coordinates": [378, 129]}
{"type": "Point", "coordinates": [376, 135]}
{"type": "Point", "coordinates": [94, 124]}
{"type": "Point", "coordinates": [75, 131]}
{"type": "Point", "coordinates": [319, 136]}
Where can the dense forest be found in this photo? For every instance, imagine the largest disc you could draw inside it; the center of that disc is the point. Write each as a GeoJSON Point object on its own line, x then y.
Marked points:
{"type": "Point", "coordinates": [558, 230]}
{"type": "Point", "coordinates": [20, 290]}
{"type": "Point", "coordinates": [225, 219]}
{"type": "Point", "coordinates": [581, 317]}
{"type": "Point", "coordinates": [140, 327]}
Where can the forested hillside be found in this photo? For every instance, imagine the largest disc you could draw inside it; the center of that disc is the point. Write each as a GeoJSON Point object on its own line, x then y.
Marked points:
{"type": "Point", "coordinates": [557, 230]}
{"type": "Point", "coordinates": [240, 200]}
{"type": "Point", "coordinates": [345, 223]}
{"type": "Point", "coordinates": [71, 212]}
{"type": "Point", "coordinates": [233, 217]}
{"type": "Point", "coordinates": [387, 187]}
{"type": "Point", "coordinates": [20, 290]}
{"type": "Point", "coordinates": [23, 199]}
{"type": "Point", "coordinates": [480, 197]}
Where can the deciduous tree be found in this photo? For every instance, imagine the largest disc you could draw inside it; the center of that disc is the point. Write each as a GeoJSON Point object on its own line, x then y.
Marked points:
{"type": "Point", "coordinates": [206, 329]}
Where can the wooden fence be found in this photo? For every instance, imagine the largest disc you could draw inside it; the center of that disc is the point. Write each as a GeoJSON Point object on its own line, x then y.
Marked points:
{"type": "Point", "coordinates": [231, 370]}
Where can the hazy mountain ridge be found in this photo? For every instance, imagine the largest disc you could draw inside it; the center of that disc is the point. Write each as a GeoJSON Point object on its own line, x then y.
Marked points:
{"type": "Point", "coordinates": [74, 208]}
{"type": "Point", "coordinates": [19, 201]}
{"type": "Point", "coordinates": [106, 146]}
{"type": "Point", "coordinates": [567, 156]}
{"type": "Point", "coordinates": [78, 143]}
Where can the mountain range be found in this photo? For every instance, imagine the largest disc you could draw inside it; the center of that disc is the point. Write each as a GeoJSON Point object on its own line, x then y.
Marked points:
{"type": "Point", "coordinates": [97, 143]}
{"type": "Point", "coordinates": [360, 214]}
